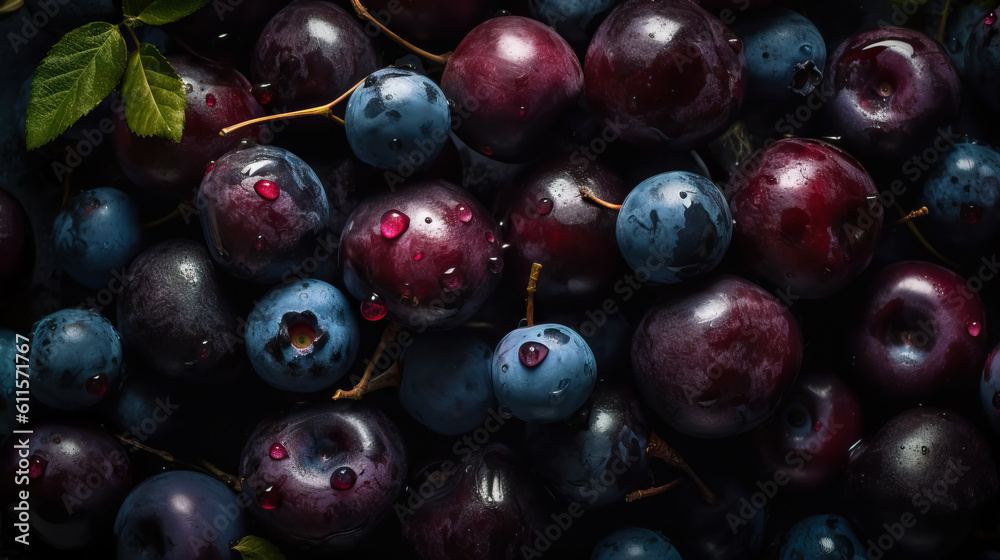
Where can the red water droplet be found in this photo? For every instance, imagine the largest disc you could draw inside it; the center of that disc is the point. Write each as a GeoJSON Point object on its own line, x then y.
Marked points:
{"type": "Point", "coordinates": [206, 349]}
{"type": "Point", "coordinates": [418, 256]}
{"type": "Point", "coordinates": [210, 100]}
{"type": "Point", "coordinates": [211, 166]}
{"type": "Point", "coordinates": [343, 479]}
{"type": "Point", "coordinates": [36, 465]}
{"type": "Point", "coordinates": [996, 400]}
{"type": "Point", "coordinates": [974, 328]}
{"type": "Point", "coordinates": [971, 213]}
{"type": "Point", "coordinates": [259, 243]}
{"type": "Point", "coordinates": [522, 112]}
{"type": "Point", "coordinates": [990, 18]}
{"type": "Point", "coordinates": [394, 223]}
{"type": "Point", "coordinates": [464, 213]}
{"type": "Point", "coordinates": [544, 206]}
{"type": "Point", "coordinates": [487, 151]}
{"type": "Point", "coordinates": [269, 498]}
{"type": "Point", "coordinates": [278, 452]}
{"type": "Point", "coordinates": [267, 189]}
{"type": "Point", "coordinates": [489, 237]}
{"type": "Point", "coordinates": [374, 309]}
{"type": "Point", "coordinates": [817, 426]}
{"type": "Point", "coordinates": [532, 353]}
{"type": "Point", "coordinates": [496, 265]}
{"type": "Point", "coordinates": [452, 280]}
{"type": "Point", "coordinates": [263, 93]}
{"type": "Point", "coordinates": [97, 385]}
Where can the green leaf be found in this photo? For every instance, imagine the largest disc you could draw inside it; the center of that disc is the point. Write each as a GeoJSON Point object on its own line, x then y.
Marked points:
{"type": "Point", "coordinates": [256, 548]}
{"type": "Point", "coordinates": [77, 74]}
{"type": "Point", "coordinates": [154, 95]}
{"type": "Point", "coordinates": [159, 12]}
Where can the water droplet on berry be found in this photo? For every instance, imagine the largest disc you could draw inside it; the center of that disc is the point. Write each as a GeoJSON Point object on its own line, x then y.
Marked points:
{"type": "Point", "coordinates": [487, 151]}
{"type": "Point", "coordinates": [210, 100]}
{"type": "Point", "coordinates": [278, 452]}
{"type": "Point", "coordinates": [544, 206]}
{"type": "Point", "coordinates": [343, 479]}
{"type": "Point", "coordinates": [971, 213]}
{"type": "Point", "coordinates": [394, 223]}
{"type": "Point", "coordinates": [990, 18]}
{"type": "Point", "coordinates": [374, 309]}
{"type": "Point", "coordinates": [464, 213]}
{"type": "Point", "coordinates": [395, 144]}
{"type": "Point", "coordinates": [259, 243]}
{"type": "Point", "coordinates": [736, 44]}
{"type": "Point", "coordinates": [974, 328]}
{"type": "Point", "coordinates": [267, 189]}
{"type": "Point", "coordinates": [211, 166]}
{"type": "Point", "coordinates": [206, 349]}
{"type": "Point", "coordinates": [97, 385]}
{"type": "Point", "coordinates": [532, 353]}
{"type": "Point", "coordinates": [36, 465]}
{"type": "Point", "coordinates": [684, 194]}
{"type": "Point", "coordinates": [496, 265]}
{"type": "Point", "coordinates": [263, 93]}
{"type": "Point", "coordinates": [269, 498]}
{"type": "Point", "coordinates": [489, 237]}
{"type": "Point", "coordinates": [452, 280]}
{"type": "Point", "coordinates": [504, 368]}
{"type": "Point", "coordinates": [522, 112]}
{"type": "Point", "coordinates": [817, 426]}
{"type": "Point", "coordinates": [428, 220]}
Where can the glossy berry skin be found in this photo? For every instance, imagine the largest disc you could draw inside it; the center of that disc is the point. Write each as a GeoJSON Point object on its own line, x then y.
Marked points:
{"type": "Point", "coordinates": [446, 383]}
{"type": "Point", "coordinates": [808, 438]}
{"type": "Point", "coordinates": [892, 89]}
{"type": "Point", "coordinates": [428, 20]}
{"type": "Point", "coordinates": [666, 73]}
{"type": "Point", "coordinates": [549, 385]}
{"type": "Point", "coordinates": [509, 79]}
{"type": "Point", "coordinates": [217, 96]}
{"type": "Point", "coordinates": [261, 209]}
{"type": "Point", "coordinates": [573, 19]}
{"type": "Point", "coordinates": [302, 336]}
{"type": "Point", "coordinates": [397, 117]}
{"type": "Point", "coordinates": [172, 295]}
{"type": "Point", "coordinates": [429, 254]}
{"type": "Point", "coordinates": [179, 514]}
{"type": "Point", "coordinates": [336, 472]}
{"type": "Point", "coordinates": [923, 331]}
{"type": "Point", "coordinates": [807, 216]}
{"type": "Point", "coordinates": [97, 232]}
{"type": "Point", "coordinates": [76, 359]}
{"type": "Point", "coordinates": [989, 389]}
{"type": "Point", "coordinates": [545, 220]}
{"type": "Point", "coordinates": [982, 58]}
{"type": "Point", "coordinates": [822, 537]}
{"type": "Point", "coordinates": [785, 54]}
{"type": "Point", "coordinates": [931, 465]}
{"type": "Point", "coordinates": [675, 226]}
{"type": "Point", "coordinates": [61, 458]}
{"type": "Point", "coordinates": [311, 52]}
{"type": "Point", "coordinates": [963, 194]}
{"type": "Point", "coordinates": [596, 456]}
{"type": "Point", "coordinates": [715, 361]}
{"type": "Point", "coordinates": [635, 543]}
{"type": "Point", "coordinates": [488, 506]}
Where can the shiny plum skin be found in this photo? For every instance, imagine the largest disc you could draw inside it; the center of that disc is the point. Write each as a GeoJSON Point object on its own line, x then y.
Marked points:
{"type": "Point", "coordinates": [665, 73]}
{"type": "Point", "coordinates": [923, 331]}
{"type": "Point", "coordinates": [822, 537]}
{"type": "Point", "coordinates": [179, 514]}
{"type": "Point", "coordinates": [311, 52]}
{"type": "Point", "coordinates": [68, 461]}
{"type": "Point", "coordinates": [893, 88]}
{"type": "Point", "coordinates": [294, 492]}
{"type": "Point", "coordinates": [261, 209]}
{"type": "Point", "coordinates": [982, 59]}
{"type": "Point", "coordinates": [634, 543]}
{"type": "Point", "coordinates": [807, 216]}
{"type": "Point", "coordinates": [428, 20]}
{"type": "Point", "coordinates": [217, 96]}
{"type": "Point", "coordinates": [97, 232]}
{"type": "Point", "coordinates": [488, 506]}
{"type": "Point", "coordinates": [963, 193]}
{"type": "Point", "coordinates": [933, 467]}
{"type": "Point", "coordinates": [811, 433]}
{"type": "Point", "coordinates": [509, 79]}
{"type": "Point", "coordinates": [714, 362]}
{"type": "Point", "coordinates": [545, 220]}
{"type": "Point", "coordinates": [441, 263]}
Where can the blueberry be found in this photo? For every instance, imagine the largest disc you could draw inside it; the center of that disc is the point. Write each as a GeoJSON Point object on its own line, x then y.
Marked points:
{"type": "Point", "coordinates": [822, 537]}
{"type": "Point", "coordinates": [76, 356]}
{"type": "Point", "coordinates": [675, 226]}
{"type": "Point", "coordinates": [635, 543]}
{"type": "Point", "coordinates": [397, 117]}
{"type": "Point", "coordinates": [543, 373]}
{"type": "Point", "coordinates": [963, 194]}
{"type": "Point", "coordinates": [302, 337]}
{"type": "Point", "coordinates": [575, 20]}
{"type": "Point", "coordinates": [97, 232]}
{"type": "Point", "coordinates": [784, 53]}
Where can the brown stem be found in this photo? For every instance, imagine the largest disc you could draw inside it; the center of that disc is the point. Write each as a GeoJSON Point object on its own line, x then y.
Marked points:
{"type": "Point", "coordinates": [658, 449]}
{"type": "Point", "coordinates": [322, 110]}
{"type": "Point", "coordinates": [388, 378]}
{"type": "Point", "coordinates": [593, 198]}
{"type": "Point", "coordinates": [160, 221]}
{"type": "Point", "coordinates": [944, 21]}
{"type": "Point", "coordinates": [640, 494]}
{"type": "Point", "coordinates": [536, 269]}
{"type": "Point", "coordinates": [363, 13]}
{"type": "Point", "coordinates": [361, 388]}
{"type": "Point", "coordinates": [225, 477]}
{"type": "Point", "coordinates": [206, 467]}
{"type": "Point", "coordinates": [920, 212]}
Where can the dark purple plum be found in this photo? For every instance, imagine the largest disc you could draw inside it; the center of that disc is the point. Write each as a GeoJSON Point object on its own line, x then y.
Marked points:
{"type": "Point", "coordinates": [982, 60]}
{"type": "Point", "coordinates": [922, 331]}
{"type": "Point", "coordinates": [925, 475]}
{"type": "Point", "coordinates": [807, 216]}
{"type": "Point", "coordinates": [665, 73]}
{"type": "Point", "coordinates": [809, 437]}
{"type": "Point", "coordinates": [217, 96]}
{"type": "Point", "coordinates": [545, 220]}
{"type": "Point", "coordinates": [226, 31]}
{"type": "Point", "coordinates": [715, 361]}
{"type": "Point", "coordinates": [428, 255]}
{"type": "Point", "coordinates": [509, 80]}
{"type": "Point", "coordinates": [430, 21]}
{"type": "Point", "coordinates": [730, 529]}
{"type": "Point", "coordinates": [76, 476]}
{"type": "Point", "coordinates": [324, 476]}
